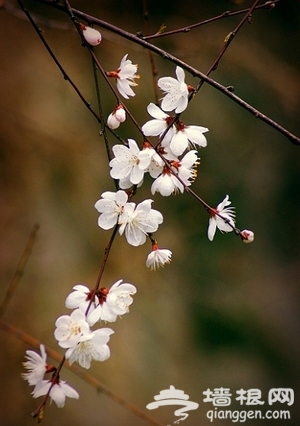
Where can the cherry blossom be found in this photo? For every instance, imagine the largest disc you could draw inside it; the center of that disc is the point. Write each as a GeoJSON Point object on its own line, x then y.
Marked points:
{"type": "Point", "coordinates": [125, 76]}
{"type": "Point", "coordinates": [111, 205]}
{"type": "Point", "coordinates": [72, 329]}
{"type": "Point", "coordinates": [37, 366]}
{"type": "Point", "coordinates": [129, 162]}
{"type": "Point", "coordinates": [82, 298]}
{"type": "Point", "coordinates": [225, 223]}
{"type": "Point", "coordinates": [117, 117]}
{"type": "Point", "coordinates": [159, 124]}
{"type": "Point", "coordinates": [94, 349]}
{"type": "Point", "coordinates": [157, 156]}
{"type": "Point", "coordinates": [92, 36]}
{"type": "Point", "coordinates": [185, 134]}
{"type": "Point", "coordinates": [168, 183]}
{"type": "Point", "coordinates": [58, 393]}
{"type": "Point", "coordinates": [113, 302]}
{"type": "Point", "coordinates": [176, 92]}
{"type": "Point", "coordinates": [137, 221]}
{"type": "Point", "coordinates": [158, 257]}
{"type": "Point", "coordinates": [247, 236]}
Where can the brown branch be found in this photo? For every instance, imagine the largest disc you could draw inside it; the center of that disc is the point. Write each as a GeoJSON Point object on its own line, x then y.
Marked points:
{"type": "Point", "coordinates": [19, 271]}
{"type": "Point", "coordinates": [196, 73]}
{"type": "Point", "coordinates": [227, 14]}
{"type": "Point", "coordinates": [88, 378]}
{"type": "Point", "coordinates": [62, 70]}
{"type": "Point", "coordinates": [151, 59]}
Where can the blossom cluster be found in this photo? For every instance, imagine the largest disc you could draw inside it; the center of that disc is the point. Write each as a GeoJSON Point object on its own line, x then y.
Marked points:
{"type": "Point", "coordinates": [171, 160]}
{"type": "Point", "coordinates": [37, 368]}
{"type": "Point", "coordinates": [74, 334]}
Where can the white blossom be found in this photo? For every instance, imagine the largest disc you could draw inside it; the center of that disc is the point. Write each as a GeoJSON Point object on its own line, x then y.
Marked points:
{"type": "Point", "coordinates": [157, 163]}
{"type": "Point", "coordinates": [168, 183]}
{"type": "Point", "coordinates": [110, 206]}
{"type": "Point", "coordinates": [125, 183]}
{"type": "Point", "coordinates": [225, 223]}
{"type": "Point", "coordinates": [92, 36]}
{"type": "Point", "coordinates": [113, 302]}
{"type": "Point", "coordinates": [160, 123]}
{"type": "Point", "coordinates": [82, 298]}
{"type": "Point", "coordinates": [158, 257]}
{"type": "Point", "coordinates": [129, 162]}
{"type": "Point", "coordinates": [185, 134]}
{"type": "Point", "coordinates": [72, 329]}
{"type": "Point", "coordinates": [36, 366]}
{"type": "Point", "coordinates": [58, 393]}
{"type": "Point", "coordinates": [94, 349]}
{"type": "Point", "coordinates": [137, 221]}
{"type": "Point", "coordinates": [125, 76]}
{"type": "Point", "coordinates": [176, 92]}
{"type": "Point", "coordinates": [186, 167]}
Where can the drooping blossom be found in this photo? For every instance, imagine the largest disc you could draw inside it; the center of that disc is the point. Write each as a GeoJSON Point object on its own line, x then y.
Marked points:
{"type": "Point", "coordinates": [111, 205]}
{"type": "Point", "coordinates": [92, 36]}
{"type": "Point", "coordinates": [36, 365]}
{"type": "Point", "coordinates": [158, 257]}
{"type": "Point", "coordinates": [82, 298]}
{"type": "Point", "coordinates": [125, 77]}
{"type": "Point", "coordinates": [186, 135]}
{"type": "Point", "coordinates": [58, 393]}
{"type": "Point", "coordinates": [72, 329]}
{"type": "Point", "coordinates": [176, 92]}
{"type": "Point", "coordinates": [129, 162]}
{"type": "Point", "coordinates": [225, 222]}
{"type": "Point", "coordinates": [159, 124]}
{"type": "Point", "coordinates": [137, 221]}
{"type": "Point", "coordinates": [247, 236]}
{"type": "Point", "coordinates": [168, 183]}
{"type": "Point", "coordinates": [157, 156]}
{"type": "Point", "coordinates": [125, 183]}
{"type": "Point", "coordinates": [117, 117]}
{"type": "Point", "coordinates": [94, 349]}
{"type": "Point", "coordinates": [112, 302]}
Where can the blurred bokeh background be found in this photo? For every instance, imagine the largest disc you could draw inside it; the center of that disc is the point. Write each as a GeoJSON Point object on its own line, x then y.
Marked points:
{"type": "Point", "coordinates": [222, 314]}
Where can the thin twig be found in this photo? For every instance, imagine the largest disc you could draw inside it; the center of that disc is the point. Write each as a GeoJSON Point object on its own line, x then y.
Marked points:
{"type": "Point", "coordinates": [103, 264]}
{"type": "Point", "coordinates": [38, 413]}
{"type": "Point", "coordinates": [62, 70]}
{"type": "Point", "coordinates": [227, 14]}
{"type": "Point", "coordinates": [88, 378]}
{"type": "Point", "coordinates": [196, 73]}
{"type": "Point", "coordinates": [228, 40]}
{"type": "Point", "coordinates": [19, 271]}
{"type": "Point", "coordinates": [151, 59]}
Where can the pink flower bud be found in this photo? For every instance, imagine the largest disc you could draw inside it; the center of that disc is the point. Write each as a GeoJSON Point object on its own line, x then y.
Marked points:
{"type": "Point", "coordinates": [247, 236]}
{"type": "Point", "coordinates": [120, 114]}
{"type": "Point", "coordinates": [92, 36]}
{"type": "Point", "coordinates": [112, 121]}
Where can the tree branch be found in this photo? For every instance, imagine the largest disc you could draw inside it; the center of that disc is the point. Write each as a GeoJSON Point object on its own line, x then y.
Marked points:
{"type": "Point", "coordinates": [196, 73]}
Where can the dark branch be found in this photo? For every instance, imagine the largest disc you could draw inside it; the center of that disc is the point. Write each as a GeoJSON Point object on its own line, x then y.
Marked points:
{"type": "Point", "coordinates": [196, 73]}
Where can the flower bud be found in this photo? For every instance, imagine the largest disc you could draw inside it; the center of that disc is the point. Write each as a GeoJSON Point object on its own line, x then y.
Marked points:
{"type": "Point", "coordinates": [92, 36]}
{"type": "Point", "coordinates": [116, 117]}
{"type": "Point", "coordinates": [112, 121]}
{"type": "Point", "coordinates": [120, 114]}
{"type": "Point", "coordinates": [247, 236]}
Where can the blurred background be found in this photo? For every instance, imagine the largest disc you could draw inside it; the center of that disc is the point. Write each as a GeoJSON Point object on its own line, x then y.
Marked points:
{"type": "Point", "coordinates": [223, 313]}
